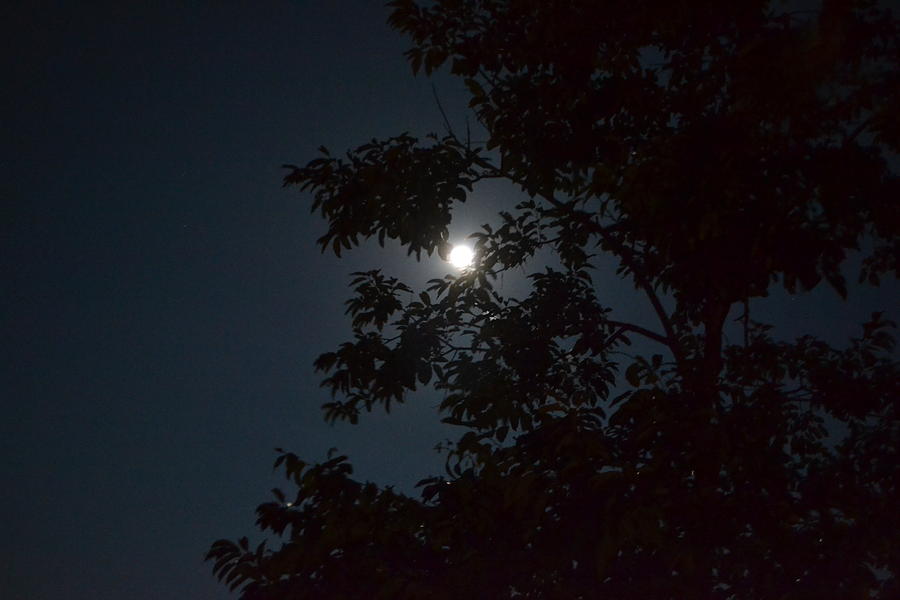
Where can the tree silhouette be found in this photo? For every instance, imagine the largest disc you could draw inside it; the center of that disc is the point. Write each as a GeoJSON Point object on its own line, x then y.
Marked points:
{"type": "Point", "coordinates": [715, 149]}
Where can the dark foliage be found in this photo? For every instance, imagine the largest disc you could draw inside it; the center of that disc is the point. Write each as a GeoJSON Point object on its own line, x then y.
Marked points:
{"type": "Point", "coordinates": [716, 149]}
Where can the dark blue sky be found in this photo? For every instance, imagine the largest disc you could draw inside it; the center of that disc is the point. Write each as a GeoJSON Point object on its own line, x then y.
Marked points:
{"type": "Point", "coordinates": [162, 299]}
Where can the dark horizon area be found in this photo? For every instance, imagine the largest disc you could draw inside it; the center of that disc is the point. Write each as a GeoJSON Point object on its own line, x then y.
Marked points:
{"type": "Point", "coordinates": [163, 299]}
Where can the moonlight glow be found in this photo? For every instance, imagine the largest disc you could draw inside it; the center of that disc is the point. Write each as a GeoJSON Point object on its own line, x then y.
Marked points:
{"type": "Point", "coordinates": [461, 257]}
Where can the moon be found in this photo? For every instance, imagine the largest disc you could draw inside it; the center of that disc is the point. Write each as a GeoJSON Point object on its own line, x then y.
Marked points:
{"type": "Point", "coordinates": [461, 257]}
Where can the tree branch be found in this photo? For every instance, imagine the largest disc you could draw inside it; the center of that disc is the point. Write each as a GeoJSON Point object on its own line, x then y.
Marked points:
{"type": "Point", "coordinates": [670, 339]}
{"type": "Point", "coordinates": [637, 329]}
{"type": "Point", "coordinates": [626, 256]}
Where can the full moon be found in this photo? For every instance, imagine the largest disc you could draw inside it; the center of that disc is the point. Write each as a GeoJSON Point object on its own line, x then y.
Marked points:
{"type": "Point", "coordinates": [461, 257]}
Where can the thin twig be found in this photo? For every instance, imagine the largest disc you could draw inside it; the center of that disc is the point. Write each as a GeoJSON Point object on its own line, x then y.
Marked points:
{"type": "Point", "coordinates": [443, 114]}
{"type": "Point", "coordinates": [859, 129]}
{"type": "Point", "coordinates": [637, 329]}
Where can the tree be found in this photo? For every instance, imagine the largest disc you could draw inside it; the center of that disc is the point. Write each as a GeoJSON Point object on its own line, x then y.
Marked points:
{"type": "Point", "coordinates": [715, 149]}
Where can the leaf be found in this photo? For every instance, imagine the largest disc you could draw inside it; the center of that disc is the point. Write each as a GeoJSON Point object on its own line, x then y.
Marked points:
{"type": "Point", "coordinates": [474, 88]}
{"type": "Point", "coordinates": [434, 58]}
{"type": "Point", "coordinates": [424, 372]}
{"type": "Point", "coordinates": [633, 374]}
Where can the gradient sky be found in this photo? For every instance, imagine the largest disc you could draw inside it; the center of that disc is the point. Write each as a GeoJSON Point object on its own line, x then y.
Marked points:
{"type": "Point", "coordinates": [162, 299]}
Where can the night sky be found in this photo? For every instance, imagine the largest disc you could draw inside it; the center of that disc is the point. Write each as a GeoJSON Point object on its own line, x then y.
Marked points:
{"type": "Point", "coordinates": [162, 298]}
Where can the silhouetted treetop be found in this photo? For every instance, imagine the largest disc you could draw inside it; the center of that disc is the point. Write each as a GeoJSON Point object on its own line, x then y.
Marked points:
{"type": "Point", "coordinates": [714, 149]}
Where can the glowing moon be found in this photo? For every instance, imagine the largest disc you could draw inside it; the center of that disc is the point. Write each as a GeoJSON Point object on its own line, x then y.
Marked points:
{"type": "Point", "coordinates": [461, 257]}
